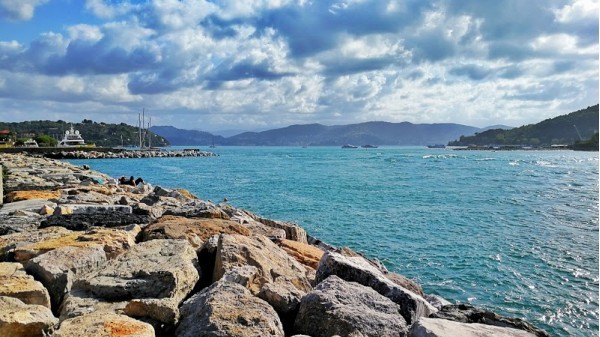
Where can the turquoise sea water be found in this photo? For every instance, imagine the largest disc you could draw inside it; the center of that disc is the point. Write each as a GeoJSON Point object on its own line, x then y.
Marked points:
{"type": "Point", "coordinates": [515, 232]}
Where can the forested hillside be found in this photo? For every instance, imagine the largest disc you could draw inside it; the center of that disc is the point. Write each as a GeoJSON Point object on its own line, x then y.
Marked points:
{"type": "Point", "coordinates": [565, 129]}
{"type": "Point", "coordinates": [101, 134]}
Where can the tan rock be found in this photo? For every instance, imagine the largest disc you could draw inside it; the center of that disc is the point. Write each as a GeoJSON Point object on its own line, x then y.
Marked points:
{"type": "Point", "coordinates": [18, 319]}
{"type": "Point", "coordinates": [304, 253]}
{"type": "Point", "coordinates": [195, 230]}
{"type": "Point", "coordinates": [186, 193]}
{"type": "Point", "coordinates": [14, 282]}
{"type": "Point", "coordinates": [104, 325]}
{"type": "Point", "coordinates": [114, 241]}
{"type": "Point", "coordinates": [63, 210]}
{"type": "Point", "coordinates": [164, 310]}
{"type": "Point", "coordinates": [8, 243]}
{"type": "Point", "coordinates": [270, 260]}
{"type": "Point", "coordinates": [46, 210]}
{"type": "Point", "coordinates": [34, 194]}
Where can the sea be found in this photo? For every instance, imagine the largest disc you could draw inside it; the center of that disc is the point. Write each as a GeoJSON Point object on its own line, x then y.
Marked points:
{"type": "Point", "coordinates": [515, 232]}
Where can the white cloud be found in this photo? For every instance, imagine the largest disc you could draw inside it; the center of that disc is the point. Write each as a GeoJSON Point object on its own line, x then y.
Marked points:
{"type": "Point", "coordinates": [19, 10]}
{"type": "Point", "coordinates": [578, 10]}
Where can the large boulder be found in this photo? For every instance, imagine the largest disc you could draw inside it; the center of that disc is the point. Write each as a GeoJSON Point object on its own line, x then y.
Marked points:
{"type": "Point", "coordinates": [104, 325]}
{"type": "Point", "coordinates": [195, 230]}
{"type": "Point", "coordinates": [81, 222]}
{"type": "Point", "coordinates": [432, 327]}
{"type": "Point", "coordinates": [466, 313]}
{"type": "Point", "coordinates": [58, 269]}
{"type": "Point", "coordinates": [8, 243]}
{"type": "Point", "coordinates": [270, 260]}
{"type": "Point", "coordinates": [337, 307]}
{"type": "Point", "coordinates": [21, 221]}
{"type": "Point", "coordinates": [78, 303]}
{"type": "Point", "coordinates": [152, 269]}
{"type": "Point", "coordinates": [18, 319]}
{"type": "Point", "coordinates": [15, 282]}
{"type": "Point", "coordinates": [113, 241]}
{"type": "Point", "coordinates": [358, 269]}
{"type": "Point", "coordinates": [227, 309]}
{"type": "Point", "coordinates": [198, 209]}
{"type": "Point", "coordinates": [292, 231]}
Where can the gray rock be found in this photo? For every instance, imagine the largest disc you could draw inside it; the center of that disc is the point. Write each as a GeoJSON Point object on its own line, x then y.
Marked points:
{"type": "Point", "coordinates": [162, 310]}
{"type": "Point", "coordinates": [466, 313]}
{"type": "Point", "coordinates": [198, 209]}
{"type": "Point", "coordinates": [78, 303]}
{"type": "Point", "coordinates": [18, 319]}
{"type": "Point", "coordinates": [57, 269]}
{"type": "Point", "coordinates": [358, 269]}
{"type": "Point", "coordinates": [243, 275]}
{"type": "Point", "coordinates": [437, 301]}
{"type": "Point", "coordinates": [10, 242]}
{"type": "Point", "coordinates": [152, 269]}
{"type": "Point", "coordinates": [432, 327]}
{"type": "Point", "coordinates": [292, 231]}
{"type": "Point", "coordinates": [227, 309]}
{"type": "Point", "coordinates": [95, 208]}
{"type": "Point", "coordinates": [336, 307]}
{"type": "Point", "coordinates": [31, 205]}
{"type": "Point", "coordinates": [19, 222]}
{"type": "Point", "coordinates": [282, 296]}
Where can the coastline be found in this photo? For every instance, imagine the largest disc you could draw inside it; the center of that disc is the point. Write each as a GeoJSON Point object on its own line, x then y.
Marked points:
{"type": "Point", "coordinates": [273, 265]}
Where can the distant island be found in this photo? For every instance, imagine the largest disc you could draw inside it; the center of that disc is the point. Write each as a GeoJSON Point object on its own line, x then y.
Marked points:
{"type": "Point", "coordinates": [375, 133]}
{"type": "Point", "coordinates": [578, 127]}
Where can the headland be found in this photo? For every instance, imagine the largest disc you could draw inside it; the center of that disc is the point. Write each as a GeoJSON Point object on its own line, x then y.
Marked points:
{"type": "Point", "coordinates": [81, 255]}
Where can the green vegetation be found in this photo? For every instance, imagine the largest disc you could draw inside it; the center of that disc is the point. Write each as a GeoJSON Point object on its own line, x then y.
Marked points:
{"type": "Point", "coordinates": [48, 133]}
{"type": "Point", "coordinates": [559, 130]}
{"type": "Point", "coordinates": [587, 145]}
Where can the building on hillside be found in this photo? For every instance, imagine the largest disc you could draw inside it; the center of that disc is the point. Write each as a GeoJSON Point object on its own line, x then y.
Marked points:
{"type": "Point", "coordinates": [7, 138]}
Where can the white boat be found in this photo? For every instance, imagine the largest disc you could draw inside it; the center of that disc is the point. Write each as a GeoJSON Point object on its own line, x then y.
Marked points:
{"type": "Point", "coordinates": [30, 143]}
{"type": "Point", "coordinates": [72, 138]}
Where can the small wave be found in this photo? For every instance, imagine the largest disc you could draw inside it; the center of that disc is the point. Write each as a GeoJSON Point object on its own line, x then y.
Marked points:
{"type": "Point", "coordinates": [440, 156]}
{"type": "Point", "coordinates": [485, 159]}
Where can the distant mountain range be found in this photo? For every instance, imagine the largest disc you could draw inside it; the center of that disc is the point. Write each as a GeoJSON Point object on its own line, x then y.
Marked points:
{"type": "Point", "coordinates": [565, 129]}
{"type": "Point", "coordinates": [375, 133]}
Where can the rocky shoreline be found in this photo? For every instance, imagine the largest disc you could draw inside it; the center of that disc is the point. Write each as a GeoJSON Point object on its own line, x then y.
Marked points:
{"type": "Point", "coordinates": [83, 258]}
{"type": "Point", "coordinates": [108, 153]}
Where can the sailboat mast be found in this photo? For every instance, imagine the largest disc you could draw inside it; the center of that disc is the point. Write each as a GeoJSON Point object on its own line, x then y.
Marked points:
{"type": "Point", "coordinates": [148, 132]}
{"type": "Point", "coordinates": [140, 130]}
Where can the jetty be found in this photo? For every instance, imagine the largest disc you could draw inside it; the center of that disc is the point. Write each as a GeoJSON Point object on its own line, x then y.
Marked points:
{"type": "Point", "coordinates": [106, 153]}
{"type": "Point", "coordinates": [81, 255]}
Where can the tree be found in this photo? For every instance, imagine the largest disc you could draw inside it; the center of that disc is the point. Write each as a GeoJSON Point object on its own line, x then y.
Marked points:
{"type": "Point", "coordinates": [45, 140]}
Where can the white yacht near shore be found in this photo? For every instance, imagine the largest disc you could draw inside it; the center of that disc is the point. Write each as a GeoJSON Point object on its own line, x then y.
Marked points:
{"type": "Point", "coordinates": [73, 138]}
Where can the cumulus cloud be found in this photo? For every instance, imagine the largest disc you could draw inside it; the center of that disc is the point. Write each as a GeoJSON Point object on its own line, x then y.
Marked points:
{"type": "Point", "coordinates": [19, 10]}
{"type": "Point", "coordinates": [332, 61]}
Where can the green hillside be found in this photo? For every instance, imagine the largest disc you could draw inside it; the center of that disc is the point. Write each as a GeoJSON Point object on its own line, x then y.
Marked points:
{"type": "Point", "coordinates": [101, 134]}
{"type": "Point", "coordinates": [559, 130]}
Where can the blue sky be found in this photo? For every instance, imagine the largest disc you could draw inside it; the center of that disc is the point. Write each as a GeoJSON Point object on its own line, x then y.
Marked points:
{"type": "Point", "coordinates": [257, 64]}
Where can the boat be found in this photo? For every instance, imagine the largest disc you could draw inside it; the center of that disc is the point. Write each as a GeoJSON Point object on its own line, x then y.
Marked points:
{"type": "Point", "coordinates": [30, 143]}
{"type": "Point", "coordinates": [369, 146]}
{"type": "Point", "coordinates": [349, 146]}
{"type": "Point", "coordinates": [437, 146]}
{"type": "Point", "coordinates": [72, 138]}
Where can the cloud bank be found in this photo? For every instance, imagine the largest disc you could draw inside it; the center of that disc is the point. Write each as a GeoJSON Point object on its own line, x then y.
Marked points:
{"type": "Point", "coordinates": [254, 64]}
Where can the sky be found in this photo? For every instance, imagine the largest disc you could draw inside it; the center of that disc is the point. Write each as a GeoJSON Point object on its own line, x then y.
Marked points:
{"type": "Point", "coordinates": [258, 64]}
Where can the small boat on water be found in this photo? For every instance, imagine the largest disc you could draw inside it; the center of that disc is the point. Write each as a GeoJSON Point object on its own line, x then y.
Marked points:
{"type": "Point", "coordinates": [73, 138]}
{"type": "Point", "coordinates": [349, 146]}
{"type": "Point", "coordinates": [369, 146]}
{"type": "Point", "coordinates": [30, 143]}
{"type": "Point", "coordinates": [437, 146]}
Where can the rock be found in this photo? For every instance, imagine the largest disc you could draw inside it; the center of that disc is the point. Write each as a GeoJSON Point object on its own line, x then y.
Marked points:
{"type": "Point", "coordinates": [245, 276]}
{"type": "Point", "coordinates": [152, 269]}
{"type": "Point", "coordinates": [227, 309]}
{"type": "Point", "coordinates": [431, 327]}
{"type": "Point", "coordinates": [104, 325]}
{"type": "Point", "coordinates": [162, 310]}
{"type": "Point", "coordinates": [248, 220]}
{"type": "Point", "coordinates": [437, 301]}
{"type": "Point", "coordinates": [198, 209]}
{"type": "Point", "coordinates": [405, 282]}
{"type": "Point", "coordinates": [154, 212]}
{"type": "Point", "coordinates": [292, 231]}
{"type": "Point", "coordinates": [8, 243]}
{"type": "Point", "coordinates": [88, 209]}
{"type": "Point", "coordinates": [18, 319]}
{"type": "Point", "coordinates": [282, 296]}
{"type": "Point", "coordinates": [142, 189]}
{"type": "Point", "coordinates": [19, 222]}
{"type": "Point", "coordinates": [304, 253]}
{"type": "Point", "coordinates": [46, 210]}
{"type": "Point", "coordinates": [63, 210]}
{"type": "Point", "coordinates": [466, 313]}
{"type": "Point", "coordinates": [113, 241]}
{"type": "Point", "coordinates": [31, 205]}
{"type": "Point", "coordinates": [358, 269]}
{"type": "Point", "coordinates": [186, 193]}
{"type": "Point", "coordinates": [57, 269]}
{"type": "Point", "coordinates": [80, 222]}
{"type": "Point", "coordinates": [196, 231]}
{"type": "Point", "coordinates": [14, 282]}
{"type": "Point", "coordinates": [336, 307]}
{"type": "Point", "coordinates": [32, 194]}
{"type": "Point", "coordinates": [270, 260]}
{"type": "Point", "coordinates": [78, 303]}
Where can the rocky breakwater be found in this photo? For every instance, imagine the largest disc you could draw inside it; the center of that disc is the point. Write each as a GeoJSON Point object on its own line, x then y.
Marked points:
{"type": "Point", "coordinates": [78, 258]}
{"type": "Point", "coordinates": [108, 154]}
